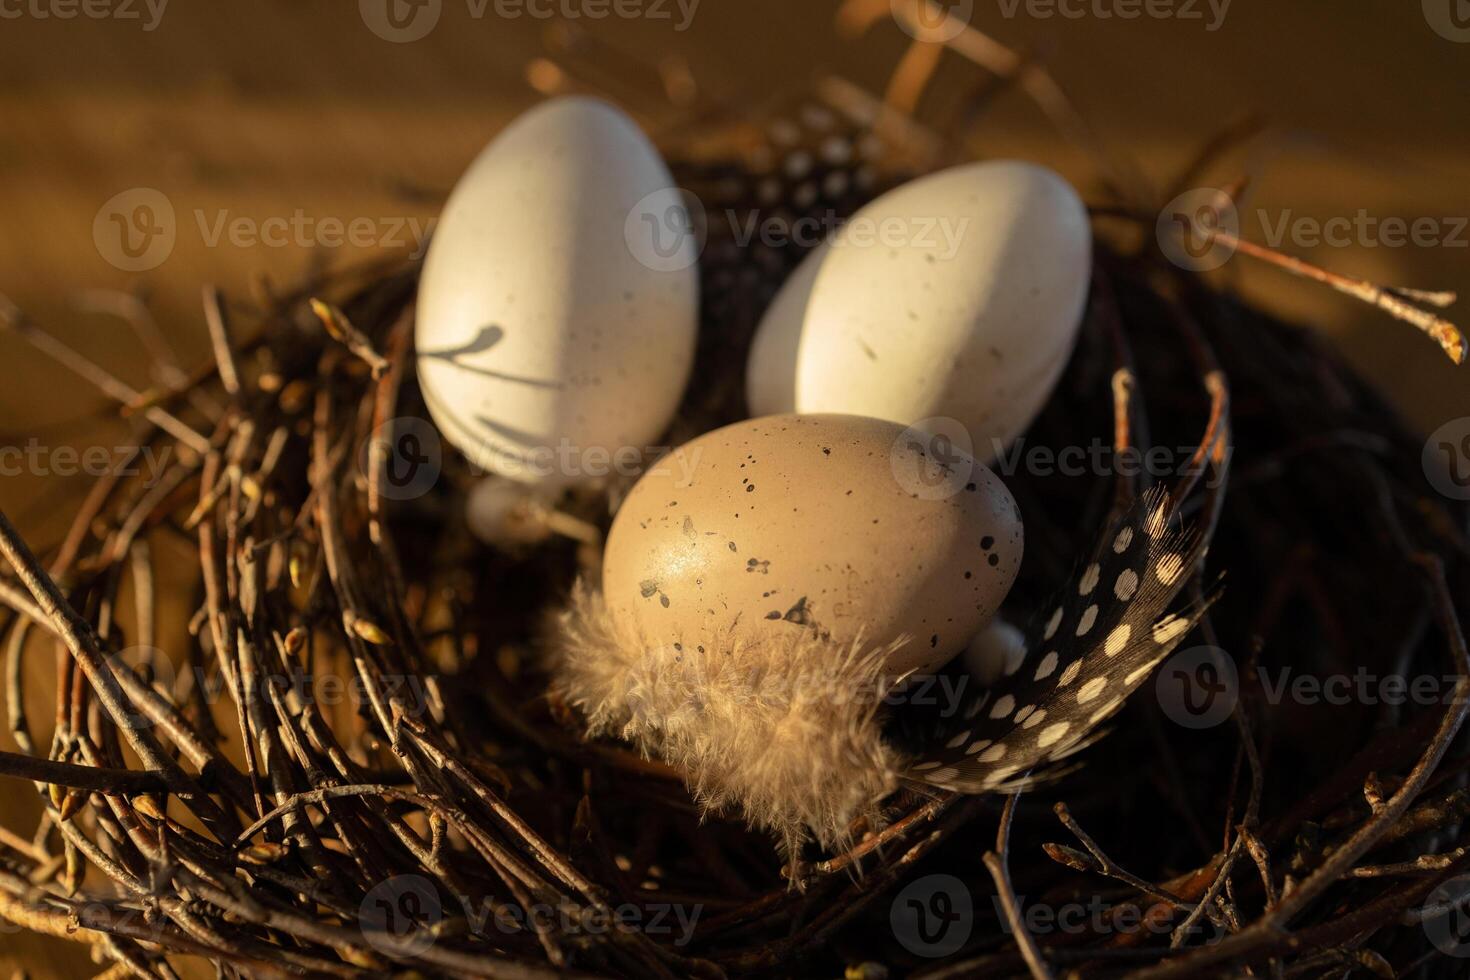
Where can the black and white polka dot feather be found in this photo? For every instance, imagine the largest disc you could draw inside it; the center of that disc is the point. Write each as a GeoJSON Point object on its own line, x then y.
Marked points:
{"type": "Point", "coordinates": [811, 168]}
{"type": "Point", "coordinates": [1082, 658]}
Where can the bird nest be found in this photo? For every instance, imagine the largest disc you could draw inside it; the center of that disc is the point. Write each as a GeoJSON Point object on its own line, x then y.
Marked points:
{"type": "Point", "coordinates": [350, 763]}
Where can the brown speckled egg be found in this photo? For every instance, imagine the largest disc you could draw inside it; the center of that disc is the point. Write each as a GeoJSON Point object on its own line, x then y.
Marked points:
{"type": "Point", "coordinates": [837, 524]}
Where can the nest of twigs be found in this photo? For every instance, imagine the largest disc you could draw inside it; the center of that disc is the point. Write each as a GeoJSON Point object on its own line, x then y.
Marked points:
{"type": "Point", "coordinates": [349, 764]}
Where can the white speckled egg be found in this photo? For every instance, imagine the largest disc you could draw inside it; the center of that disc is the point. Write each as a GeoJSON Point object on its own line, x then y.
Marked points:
{"type": "Point", "coordinates": [803, 522]}
{"type": "Point", "coordinates": [956, 295]}
{"type": "Point", "coordinates": [995, 652]}
{"type": "Point", "coordinates": [545, 331]}
{"type": "Point", "coordinates": [770, 375]}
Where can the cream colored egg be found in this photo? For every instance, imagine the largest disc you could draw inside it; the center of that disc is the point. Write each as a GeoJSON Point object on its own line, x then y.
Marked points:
{"type": "Point", "coordinates": [819, 523]}
{"type": "Point", "coordinates": [555, 325]}
{"type": "Point", "coordinates": [957, 295]}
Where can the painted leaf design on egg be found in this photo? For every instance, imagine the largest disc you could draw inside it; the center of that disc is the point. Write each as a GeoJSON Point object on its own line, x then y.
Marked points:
{"type": "Point", "coordinates": [1095, 645]}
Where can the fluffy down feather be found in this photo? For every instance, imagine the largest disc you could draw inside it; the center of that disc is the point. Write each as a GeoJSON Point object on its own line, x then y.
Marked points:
{"type": "Point", "coordinates": [789, 734]}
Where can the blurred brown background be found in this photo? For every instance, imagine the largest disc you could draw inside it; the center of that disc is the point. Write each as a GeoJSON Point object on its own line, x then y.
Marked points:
{"type": "Point", "coordinates": [298, 112]}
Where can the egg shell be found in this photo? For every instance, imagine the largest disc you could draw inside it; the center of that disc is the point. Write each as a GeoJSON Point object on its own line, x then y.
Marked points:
{"type": "Point", "coordinates": [770, 377]}
{"type": "Point", "coordinates": [956, 295]}
{"type": "Point", "coordinates": [504, 513]}
{"type": "Point", "coordinates": [541, 329]}
{"type": "Point", "coordinates": [995, 652]}
{"type": "Point", "coordinates": [801, 522]}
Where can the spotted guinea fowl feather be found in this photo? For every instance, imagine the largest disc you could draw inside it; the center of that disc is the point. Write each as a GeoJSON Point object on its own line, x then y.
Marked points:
{"type": "Point", "coordinates": [810, 168]}
{"type": "Point", "coordinates": [1083, 656]}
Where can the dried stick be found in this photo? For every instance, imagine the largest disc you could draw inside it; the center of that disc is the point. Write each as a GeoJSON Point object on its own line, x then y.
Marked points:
{"type": "Point", "coordinates": [1271, 928]}
{"type": "Point", "coordinates": [997, 862]}
{"type": "Point", "coordinates": [82, 642]}
{"type": "Point", "coordinates": [219, 338]}
{"type": "Point", "coordinates": [94, 373]}
{"type": "Point", "coordinates": [1388, 299]}
{"type": "Point", "coordinates": [93, 779]}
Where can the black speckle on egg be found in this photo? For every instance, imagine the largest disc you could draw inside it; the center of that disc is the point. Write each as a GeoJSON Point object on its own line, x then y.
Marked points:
{"type": "Point", "coordinates": [799, 614]}
{"type": "Point", "coordinates": [986, 543]}
{"type": "Point", "coordinates": [664, 601]}
{"type": "Point", "coordinates": [994, 560]}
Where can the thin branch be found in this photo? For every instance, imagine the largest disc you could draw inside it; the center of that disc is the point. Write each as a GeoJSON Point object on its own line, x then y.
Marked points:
{"type": "Point", "coordinates": [997, 862]}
